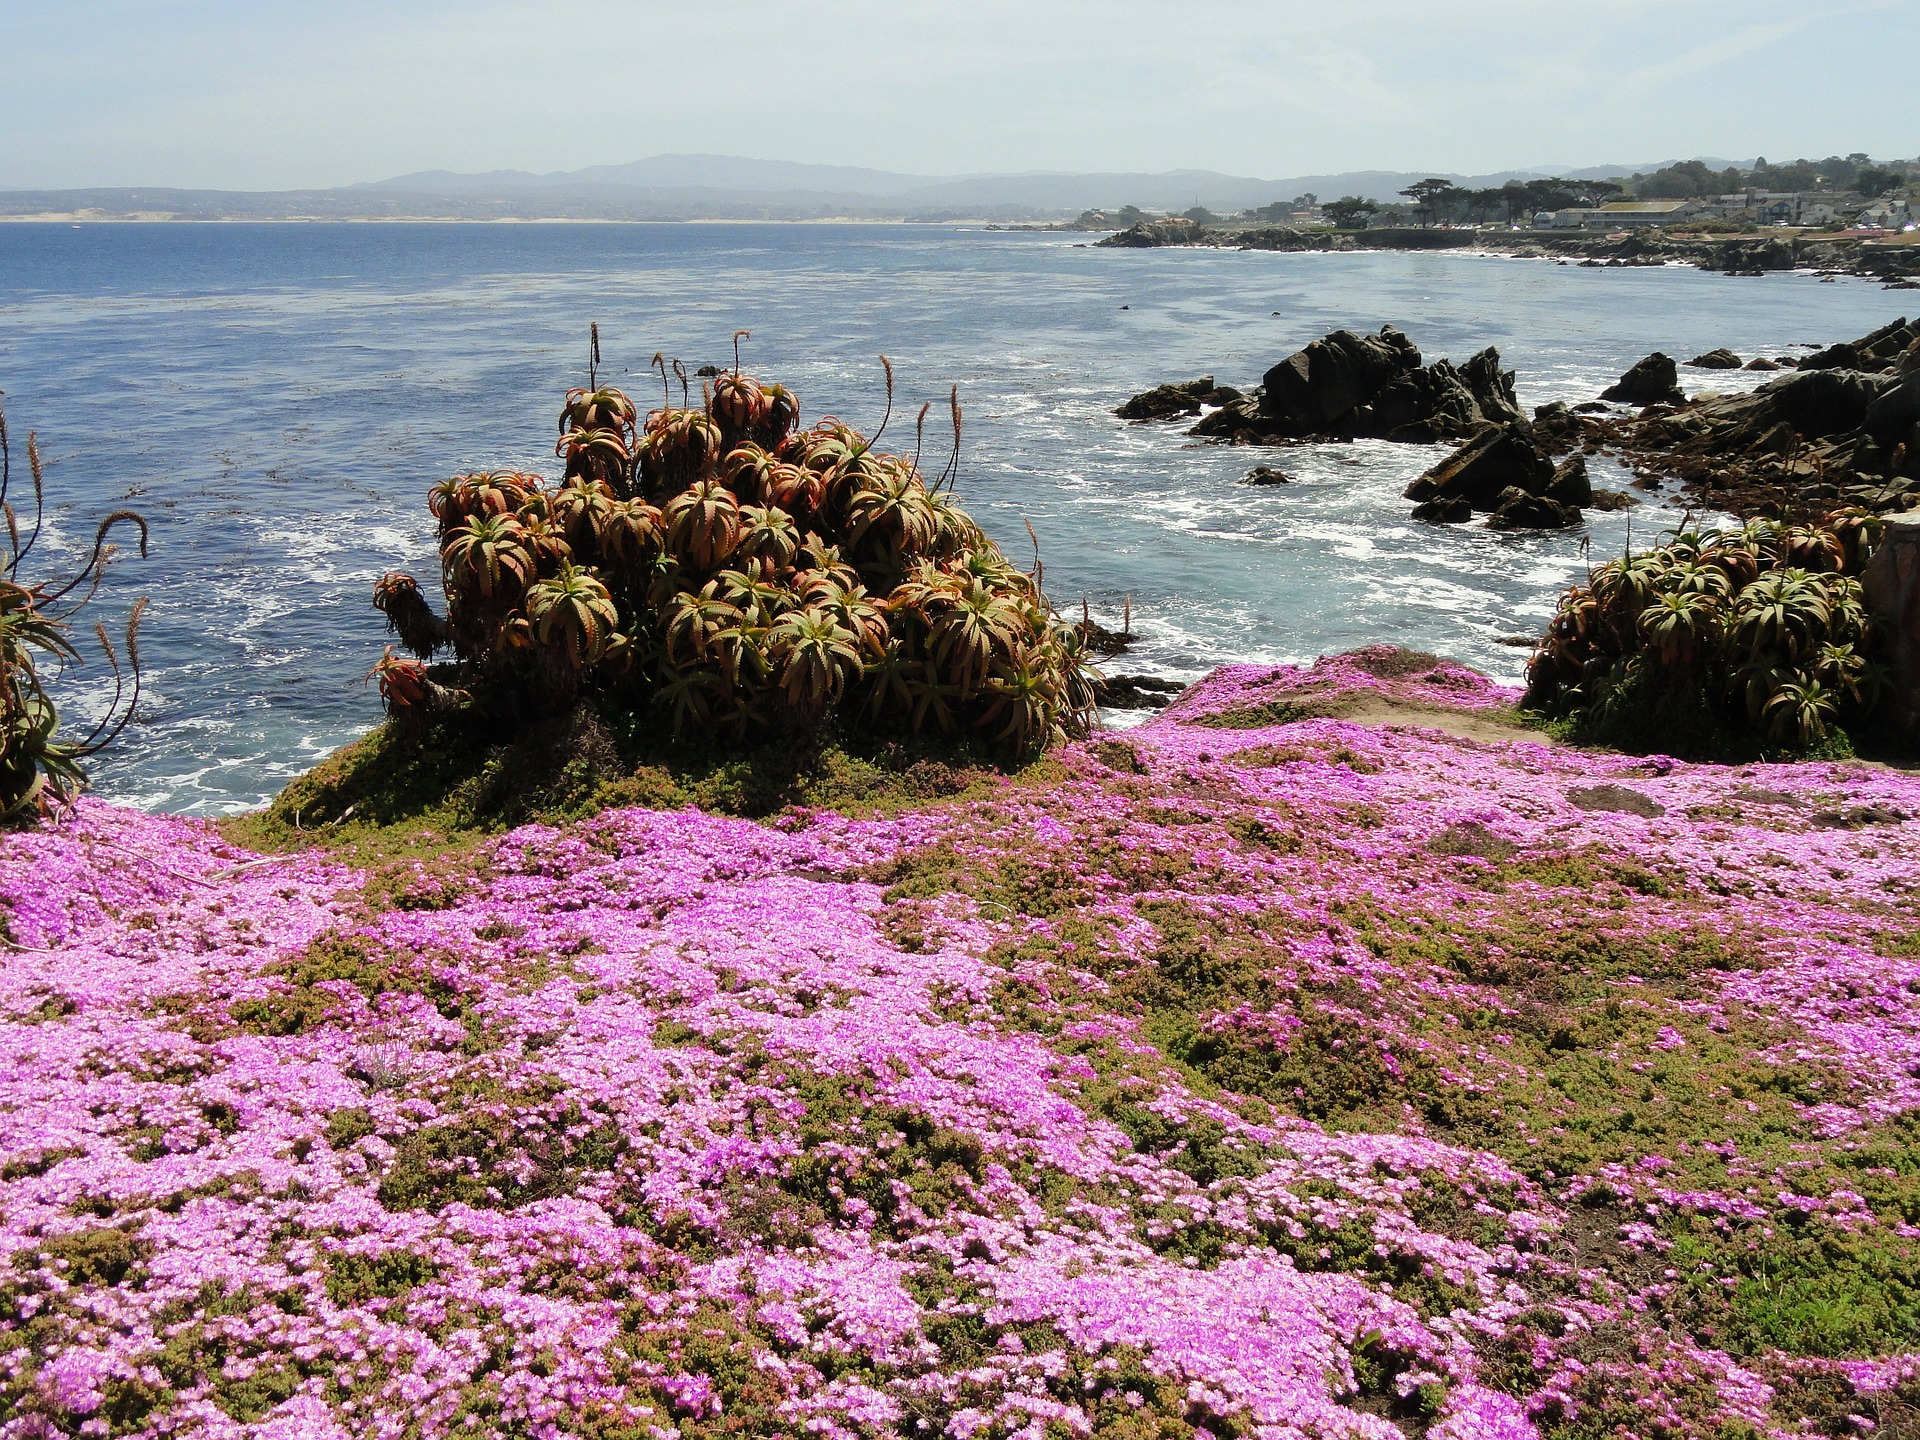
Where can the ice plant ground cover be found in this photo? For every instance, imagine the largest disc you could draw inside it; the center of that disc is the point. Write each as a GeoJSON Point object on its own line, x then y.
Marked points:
{"type": "Point", "coordinates": [1327, 1058]}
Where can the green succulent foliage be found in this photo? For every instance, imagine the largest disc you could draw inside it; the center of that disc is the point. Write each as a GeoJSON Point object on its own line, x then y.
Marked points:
{"type": "Point", "coordinates": [1757, 637]}
{"type": "Point", "coordinates": [40, 771]}
{"type": "Point", "coordinates": [720, 567]}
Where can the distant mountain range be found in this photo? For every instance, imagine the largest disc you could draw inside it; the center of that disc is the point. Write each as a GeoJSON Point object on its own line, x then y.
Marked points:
{"type": "Point", "coordinates": [726, 187]}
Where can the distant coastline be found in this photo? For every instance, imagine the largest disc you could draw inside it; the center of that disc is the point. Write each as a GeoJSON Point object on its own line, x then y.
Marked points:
{"type": "Point", "coordinates": [85, 217]}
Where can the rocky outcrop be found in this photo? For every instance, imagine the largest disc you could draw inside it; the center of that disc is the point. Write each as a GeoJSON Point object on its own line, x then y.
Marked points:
{"type": "Point", "coordinates": [1135, 692]}
{"type": "Point", "coordinates": [1870, 352]}
{"type": "Point", "coordinates": [1350, 385]}
{"type": "Point", "coordinates": [1504, 471]}
{"type": "Point", "coordinates": [1498, 459]}
{"type": "Point", "coordinates": [1151, 234]}
{"type": "Point", "coordinates": [1653, 381]}
{"type": "Point", "coordinates": [1841, 429]}
{"type": "Point", "coordinates": [1569, 483]}
{"type": "Point", "coordinates": [1721, 359]}
{"type": "Point", "coordinates": [1892, 585]}
{"type": "Point", "coordinates": [1167, 402]}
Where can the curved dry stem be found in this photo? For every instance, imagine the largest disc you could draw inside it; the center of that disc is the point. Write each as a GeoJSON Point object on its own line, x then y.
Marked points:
{"type": "Point", "coordinates": [108, 730]}
{"type": "Point", "coordinates": [950, 472]}
{"type": "Point", "coordinates": [34, 464]}
{"type": "Point", "coordinates": [738, 336]}
{"type": "Point", "coordinates": [101, 551]}
{"type": "Point", "coordinates": [920, 435]}
{"type": "Point", "coordinates": [886, 365]}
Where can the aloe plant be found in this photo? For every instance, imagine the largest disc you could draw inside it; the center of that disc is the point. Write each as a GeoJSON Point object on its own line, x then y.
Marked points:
{"type": "Point", "coordinates": [1760, 631]}
{"type": "Point", "coordinates": [716, 566]}
{"type": "Point", "coordinates": [40, 770]}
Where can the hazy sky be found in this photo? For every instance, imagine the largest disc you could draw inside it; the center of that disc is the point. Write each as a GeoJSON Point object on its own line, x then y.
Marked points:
{"type": "Point", "coordinates": [288, 93]}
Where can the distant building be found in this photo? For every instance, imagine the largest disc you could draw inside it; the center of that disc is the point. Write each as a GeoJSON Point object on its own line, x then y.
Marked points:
{"type": "Point", "coordinates": [1887, 215]}
{"type": "Point", "coordinates": [1621, 215]}
{"type": "Point", "coordinates": [1784, 207]}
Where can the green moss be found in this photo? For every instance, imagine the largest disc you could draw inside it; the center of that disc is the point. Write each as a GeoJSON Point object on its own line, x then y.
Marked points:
{"type": "Point", "coordinates": [502, 1149]}
{"type": "Point", "coordinates": [309, 995]}
{"type": "Point", "coordinates": [354, 1279]}
{"type": "Point", "coordinates": [1268, 713]}
{"type": "Point", "coordinates": [401, 795]}
{"type": "Point", "coordinates": [344, 1127]}
{"type": "Point", "coordinates": [107, 1256]}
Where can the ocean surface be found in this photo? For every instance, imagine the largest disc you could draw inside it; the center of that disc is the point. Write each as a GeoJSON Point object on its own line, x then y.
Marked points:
{"type": "Point", "coordinates": [277, 399]}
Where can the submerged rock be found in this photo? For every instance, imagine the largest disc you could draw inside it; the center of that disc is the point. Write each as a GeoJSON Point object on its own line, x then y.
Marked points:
{"type": "Point", "coordinates": [1166, 402]}
{"type": "Point", "coordinates": [1715, 360]}
{"type": "Point", "coordinates": [1444, 512]}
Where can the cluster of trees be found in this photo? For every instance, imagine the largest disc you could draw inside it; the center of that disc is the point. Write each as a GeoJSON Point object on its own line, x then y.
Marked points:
{"type": "Point", "coordinates": [1434, 200]}
{"type": "Point", "coordinates": [1855, 172]}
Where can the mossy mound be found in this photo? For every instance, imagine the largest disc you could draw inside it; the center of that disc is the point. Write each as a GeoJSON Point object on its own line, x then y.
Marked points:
{"type": "Point", "coordinates": [459, 777]}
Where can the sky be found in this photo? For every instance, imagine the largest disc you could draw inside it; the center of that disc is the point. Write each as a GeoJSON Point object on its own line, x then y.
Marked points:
{"type": "Point", "coordinates": [273, 94]}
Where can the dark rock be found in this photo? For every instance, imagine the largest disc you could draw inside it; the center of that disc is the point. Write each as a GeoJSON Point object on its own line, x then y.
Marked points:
{"type": "Point", "coordinates": [1237, 422]}
{"type": "Point", "coordinates": [1760, 795]}
{"type": "Point", "coordinates": [1265, 475]}
{"type": "Point", "coordinates": [1590, 407]}
{"type": "Point", "coordinates": [1857, 817]}
{"type": "Point", "coordinates": [1419, 407]}
{"type": "Point", "coordinates": [1612, 500]}
{"type": "Point", "coordinates": [1492, 387]}
{"type": "Point", "coordinates": [1835, 357]}
{"type": "Point", "coordinates": [1496, 459]}
{"type": "Point", "coordinates": [1150, 234]}
{"type": "Point", "coordinates": [1875, 351]}
{"type": "Point", "coordinates": [1570, 484]}
{"type": "Point", "coordinates": [1654, 381]}
{"type": "Point", "coordinates": [1821, 402]}
{"type": "Point", "coordinates": [707, 372]}
{"type": "Point", "coordinates": [1518, 510]}
{"type": "Point", "coordinates": [1314, 389]}
{"type": "Point", "coordinates": [1760, 362]}
{"type": "Point", "coordinates": [1715, 360]}
{"type": "Point", "coordinates": [1546, 414]}
{"type": "Point", "coordinates": [1616, 798]}
{"type": "Point", "coordinates": [1443, 512]}
{"type": "Point", "coordinates": [1135, 692]}
{"type": "Point", "coordinates": [1892, 585]}
{"type": "Point", "coordinates": [1164, 402]}
{"type": "Point", "coordinates": [1894, 411]}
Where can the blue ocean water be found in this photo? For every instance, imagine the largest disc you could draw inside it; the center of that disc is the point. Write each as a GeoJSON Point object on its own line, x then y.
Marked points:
{"type": "Point", "coordinates": [277, 399]}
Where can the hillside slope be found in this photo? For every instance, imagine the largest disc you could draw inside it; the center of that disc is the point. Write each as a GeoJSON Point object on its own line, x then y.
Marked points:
{"type": "Point", "coordinates": [1327, 1058]}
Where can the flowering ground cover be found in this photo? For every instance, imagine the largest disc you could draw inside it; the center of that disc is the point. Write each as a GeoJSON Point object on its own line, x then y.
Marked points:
{"type": "Point", "coordinates": [1330, 1057]}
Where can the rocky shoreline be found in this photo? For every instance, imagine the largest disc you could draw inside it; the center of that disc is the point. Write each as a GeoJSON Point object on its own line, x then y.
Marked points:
{"type": "Point", "coordinates": [1895, 265]}
{"type": "Point", "coordinates": [1839, 428]}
